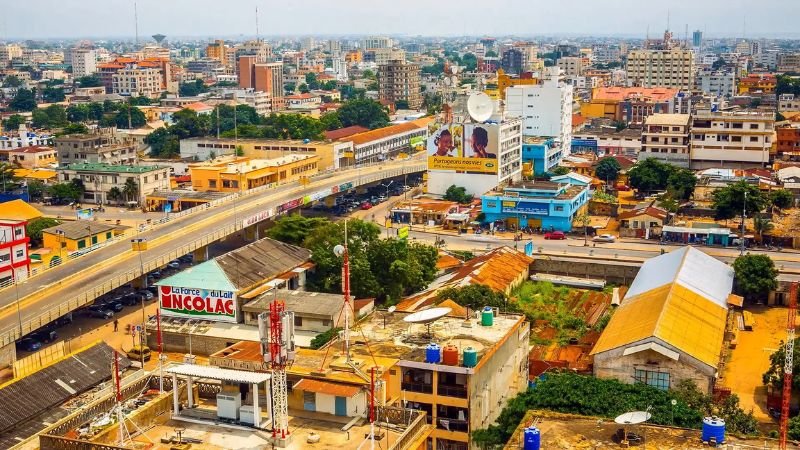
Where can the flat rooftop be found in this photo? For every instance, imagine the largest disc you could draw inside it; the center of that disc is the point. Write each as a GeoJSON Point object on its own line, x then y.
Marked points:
{"type": "Point", "coordinates": [110, 168]}
{"type": "Point", "coordinates": [390, 336]}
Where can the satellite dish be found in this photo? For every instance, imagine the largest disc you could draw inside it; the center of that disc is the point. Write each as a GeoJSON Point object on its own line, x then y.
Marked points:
{"type": "Point", "coordinates": [480, 107]}
{"type": "Point", "coordinates": [633, 418]}
{"type": "Point", "coordinates": [338, 250]}
{"type": "Point", "coordinates": [454, 70]}
{"type": "Point", "coordinates": [446, 81]}
{"type": "Point", "coordinates": [392, 309]}
{"type": "Point", "coordinates": [427, 315]}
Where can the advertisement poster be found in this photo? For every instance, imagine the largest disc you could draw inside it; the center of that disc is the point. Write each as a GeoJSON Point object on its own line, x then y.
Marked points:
{"type": "Point", "coordinates": [85, 214]}
{"type": "Point", "coordinates": [193, 303]}
{"type": "Point", "coordinates": [470, 148]}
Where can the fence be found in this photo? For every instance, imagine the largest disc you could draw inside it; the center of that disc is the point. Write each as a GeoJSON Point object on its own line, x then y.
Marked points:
{"type": "Point", "coordinates": [90, 293]}
{"type": "Point", "coordinates": [400, 416]}
{"type": "Point", "coordinates": [36, 361]}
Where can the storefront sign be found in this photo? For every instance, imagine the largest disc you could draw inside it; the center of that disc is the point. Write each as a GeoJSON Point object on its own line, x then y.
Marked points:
{"type": "Point", "coordinates": [539, 209]}
{"type": "Point", "coordinates": [197, 303]}
{"type": "Point", "coordinates": [255, 218]}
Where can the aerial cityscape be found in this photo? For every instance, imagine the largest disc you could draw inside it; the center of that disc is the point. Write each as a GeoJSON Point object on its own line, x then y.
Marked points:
{"type": "Point", "coordinates": [416, 226]}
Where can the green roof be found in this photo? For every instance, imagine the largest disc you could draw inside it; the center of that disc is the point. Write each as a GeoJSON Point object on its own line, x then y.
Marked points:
{"type": "Point", "coordinates": [102, 167]}
{"type": "Point", "coordinates": [209, 275]}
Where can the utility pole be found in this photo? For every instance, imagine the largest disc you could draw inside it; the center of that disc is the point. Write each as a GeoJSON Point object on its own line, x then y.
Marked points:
{"type": "Point", "coordinates": [744, 216]}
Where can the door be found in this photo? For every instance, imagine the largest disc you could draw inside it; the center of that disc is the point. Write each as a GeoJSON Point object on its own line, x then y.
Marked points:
{"type": "Point", "coordinates": [341, 406]}
{"type": "Point", "coordinates": [309, 401]}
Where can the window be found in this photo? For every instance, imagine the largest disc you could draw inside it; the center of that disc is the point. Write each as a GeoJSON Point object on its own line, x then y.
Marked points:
{"type": "Point", "coordinates": [558, 208]}
{"type": "Point", "coordinates": [658, 380]}
{"type": "Point", "coordinates": [82, 243]}
{"type": "Point", "coordinates": [298, 321]}
{"type": "Point", "coordinates": [753, 126]}
{"type": "Point", "coordinates": [753, 138]}
{"type": "Point", "coordinates": [108, 235]}
{"type": "Point", "coordinates": [212, 183]}
{"type": "Point", "coordinates": [326, 323]}
{"type": "Point", "coordinates": [20, 253]}
{"type": "Point", "coordinates": [18, 231]}
{"type": "Point", "coordinates": [5, 257]}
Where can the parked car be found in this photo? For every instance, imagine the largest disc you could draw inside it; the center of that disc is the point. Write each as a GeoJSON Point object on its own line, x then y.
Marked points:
{"type": "Point", "coordinates": [153, 289]}
{"type": "Point", "coordinates": [155, 274]}
{"type": "Point", "coordinates": [366, 205]}
{"type": "Point", "coordinates": [406, 188]}
{"type": "Point", "coordinates": [63, 320]}
{"type": "Point", "coordinates": [622, 187]}
{"type": "Point", "coordinates": [137, 353]}
{"type": "Point", "coordinates": [186, 258]}
{"type": "Point", "coordinates": [382, 198]}
{"type": "Point", "coordinates": [555, 235]}
{"type": "Point", "coordinates": [112, 305]}
{"type": "Point", "coordinates": [98, 312]}
{"type": "Point", "coordinates": [174, 264]}
{"type": "Point", "coordinates": [604, 238]}
{"type": "Point", "coordinates": [147, 294]}
{"type": "Point", "coordinates": [29, 344]}
{"type": "Point", "coordinates": [132, 299]}
{"type": "Point", "coordinates": [46, 335]}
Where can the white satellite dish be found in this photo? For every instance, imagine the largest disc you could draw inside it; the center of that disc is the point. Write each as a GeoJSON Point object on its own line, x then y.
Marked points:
{"type": "Point", "coordinates": [480, 107]}
{"type": "Point", "coordinates": [446, 81]}
{"type": "Point", "coordinates": [392, 309]}
{"type": "Point", "coordinates": [427, 315]}
{"type": "Point", "coordinates": [454, 70]}
{"type": "Point", "coordinates": [633, 418]}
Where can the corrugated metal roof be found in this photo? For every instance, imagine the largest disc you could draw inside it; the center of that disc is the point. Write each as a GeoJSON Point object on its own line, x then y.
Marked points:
{"type": "Point", "coordinates": [324, 387]}
{"type": "Point", "coordinates": [208, 274]}
{"type": "Point", "coordinates": [218, 373]}
{"type": "Point", "coordinates": [260, 261]}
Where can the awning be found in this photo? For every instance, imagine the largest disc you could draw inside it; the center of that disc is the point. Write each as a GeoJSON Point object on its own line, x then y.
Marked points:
{"type": "Point", "coordinates": [217, 373]}
{"type": "Point", "coordinates": [326, 387]}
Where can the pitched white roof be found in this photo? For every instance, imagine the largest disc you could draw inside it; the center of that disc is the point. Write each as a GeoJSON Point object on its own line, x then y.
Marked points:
{"type": "Point", "coordinates": [689, 267]}
{"type": "Point", "coordinates": [218, 373]}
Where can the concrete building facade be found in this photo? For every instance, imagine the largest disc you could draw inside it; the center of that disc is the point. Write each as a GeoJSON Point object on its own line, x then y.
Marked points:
{"type": "Point", "coordinates": [83, 61]}
{"type": "Point", "coordinates": [399, 80]}
{"type": "Point", "coordinates": [99, 179]}
{"type": "Point", "coordinates": [731, 139]}
{"type": "Point", "coordinates": [665, 137]}
{"type": "Point", "coordinates": [672, 68]}
{"type": "Point", "coordinates": [93, 149]}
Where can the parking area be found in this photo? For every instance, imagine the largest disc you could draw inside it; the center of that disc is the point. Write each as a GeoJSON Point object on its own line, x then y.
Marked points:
{"type": "Point", "coordinates": [750, 359]}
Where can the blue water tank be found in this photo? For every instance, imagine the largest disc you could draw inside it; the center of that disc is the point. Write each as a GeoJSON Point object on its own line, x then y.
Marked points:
{"type": "Point", "coordinates": [531, 438]}
{"type": "Point", "coordinates": [306, 141]}
{"type": "Point", "coordinates": [713, 427]}
{"type": "Point", "coordinates": [433, 354]}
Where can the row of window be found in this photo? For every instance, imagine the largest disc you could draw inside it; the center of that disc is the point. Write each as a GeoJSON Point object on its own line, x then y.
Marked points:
{"type": "Point", "coordinates": [6, 257]}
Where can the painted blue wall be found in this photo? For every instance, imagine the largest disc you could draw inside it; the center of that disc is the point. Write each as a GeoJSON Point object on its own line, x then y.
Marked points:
{"type": "Point", "coordinates": [554, 213]}
{"type": "Point", "coordinates": [544, 156]}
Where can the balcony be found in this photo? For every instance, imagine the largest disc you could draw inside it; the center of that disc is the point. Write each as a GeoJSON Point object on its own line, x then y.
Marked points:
{"type": "Point", "coordinates": [445, 423]}
{"type": "Point", "coordinates": [452, 390]}
{"type": "Point", "coordinates": [417, 387]}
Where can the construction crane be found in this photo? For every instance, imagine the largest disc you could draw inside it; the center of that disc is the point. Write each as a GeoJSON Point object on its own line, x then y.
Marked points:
{"type": "Point", "coordinates": [278, 350]}
{"type": "Point", "coordinates": [788, 364]}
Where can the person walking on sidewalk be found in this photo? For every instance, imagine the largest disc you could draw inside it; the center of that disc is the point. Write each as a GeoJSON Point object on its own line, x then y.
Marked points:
{"type": "Point", "coordinates": [116, 324]}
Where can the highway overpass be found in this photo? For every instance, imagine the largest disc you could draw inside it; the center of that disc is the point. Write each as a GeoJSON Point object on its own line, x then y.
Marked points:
{"type": "Point", "coordinates": [41, 299]}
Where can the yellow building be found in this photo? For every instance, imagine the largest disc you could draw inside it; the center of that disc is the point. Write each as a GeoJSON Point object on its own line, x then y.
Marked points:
{"type": "Point", "coordinates": [216, 50]}
{"type": "Point", "coordinates": [46, 176]}
{"type": "Point", "coordinates": [757, 83]}
{"type": "Point", "coordinates": [18, 210]}
{"type": "Point", "coordinates": [234, 174]}
{"type": "Point", "coordinates": [76, 235]}
{"type": "Point", "coordinates": [505, 81]}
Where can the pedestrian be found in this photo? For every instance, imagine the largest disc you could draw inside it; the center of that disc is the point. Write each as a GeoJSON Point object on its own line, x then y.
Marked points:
{"type": "Point", "coordinates": [116, 324]}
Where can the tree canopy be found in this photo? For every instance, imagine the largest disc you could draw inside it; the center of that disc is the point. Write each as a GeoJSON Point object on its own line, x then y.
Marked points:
{"type": "Point", "coordinates": [34, 228]}
{"type": "Point", "coordinates": [774, 374]}
{"type": "Point", "coordinates": [13, 122]}
{"type": "Point", "coordinates": [53, 116]}
{"type": "Point", "coordinates": [781, 198]}
{"type": "Point", "coordinates": [608, 169]}
{"type": "Point", "coordinates": [89, 81]}
{"type": "Point", "coordinates": [457, 194]}
{"type": "Point", "coordinates": [24, 100]}
{"type": "Point", "coordinates": [12, 81]}
{"type": "Point", "coordinates": [363, 111]}
{"type": "Point", "coordinates": [729, 200]}
{"type": "Point", "coordinates": [755, 276]}
{"type": "Point", "coordinates": [653, 175]}
{"type": "Point", "coordinates": [192, 88]}
{"type": "Point", "coordinates": [53, 95]}
{"type": "Point", "coordinates": [294, 228]}
{"type": "Point", "coordinates": [474, 296]}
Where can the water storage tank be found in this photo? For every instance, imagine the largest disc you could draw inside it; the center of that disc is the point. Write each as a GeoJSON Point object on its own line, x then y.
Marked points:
{"type": "Point", "coordinates": [450, 355]}
{"type": "Point", "coordinates": [470, 357]}
{"type": "Point", "coordinates": [487, 316]}
{"type": "Point", "coordinates": [714, 427]}
{"type": "Point", "coordinates": [531, 438]}
{"type": "Point", "coordinates": [433, 354]}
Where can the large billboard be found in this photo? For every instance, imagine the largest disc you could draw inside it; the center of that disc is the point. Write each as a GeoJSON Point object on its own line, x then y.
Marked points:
{"type": "Point", "coordinates": [466, 148]}
{"type": "Point", "coordinates": [194, 303]}
{"type": "Point", "coordinates": [523, 207]}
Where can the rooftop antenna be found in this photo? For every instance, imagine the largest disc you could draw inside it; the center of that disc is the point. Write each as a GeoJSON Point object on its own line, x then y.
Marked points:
{"type": "Point", "coordinates": [136, 22]}
{"type": "Point", "coordinates": [686, 36]}
{"type": "Point", "coordinates": [668, 12]}
{"type": "Point", "coordinates": [257, 38]}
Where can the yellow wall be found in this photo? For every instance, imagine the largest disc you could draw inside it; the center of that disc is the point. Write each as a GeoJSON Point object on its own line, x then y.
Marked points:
{"type": "Point", "coordinates": [324, 152]}
{"type": "Point", "coordinates": [217, 178]}
{"type": "Point", "coordinates": [504, 81]}
{"type": "Point", "coordinates": [53, 241]}
{"type": "Point", "coordinates": [598, 109]}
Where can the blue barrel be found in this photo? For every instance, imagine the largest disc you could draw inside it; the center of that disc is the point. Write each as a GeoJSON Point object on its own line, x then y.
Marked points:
{"type": "Point", "coordinates": [433, 354]}
{"type": "Point", "coordinates": [531, 438]}
{"type": "Point", "coordinates": [713, 427]}
{"type": "Point", "coordinates": [470, 357]}
{"type": "Point", "coordinates": [487, 316]}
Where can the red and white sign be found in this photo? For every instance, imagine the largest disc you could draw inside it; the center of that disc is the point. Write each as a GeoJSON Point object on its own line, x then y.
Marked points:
{"type": "Point", "coordinates": [194, 303]}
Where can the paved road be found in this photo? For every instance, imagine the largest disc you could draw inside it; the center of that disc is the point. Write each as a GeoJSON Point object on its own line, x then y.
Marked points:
{"type": "Point", "coordinates": [42, 293]}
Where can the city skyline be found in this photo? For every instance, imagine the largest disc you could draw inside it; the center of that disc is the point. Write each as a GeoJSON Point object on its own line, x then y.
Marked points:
{"type": "Point", "coordinates": [187, 18]}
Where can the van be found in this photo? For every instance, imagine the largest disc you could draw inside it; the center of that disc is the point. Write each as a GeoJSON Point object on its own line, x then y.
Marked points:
{"type": "Point", "coordinates": [138, 353]}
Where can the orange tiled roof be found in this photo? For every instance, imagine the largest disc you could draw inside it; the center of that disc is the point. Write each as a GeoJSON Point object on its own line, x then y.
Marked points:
{"type": "Point", "coordinates": [344, 132]}
{"type": "Point", "coordinates": [577, 120]}
{"type": "Point", "coordinates": [326, 387]}
{"type": "Point", "coordinates": [659, 94]}
{"type": "Point", "coordinates": [381, 133]}
{"type": "Point", "coordinates": [198, 106]}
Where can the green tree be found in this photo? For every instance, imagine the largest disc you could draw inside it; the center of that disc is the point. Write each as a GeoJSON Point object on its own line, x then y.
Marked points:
{"type": "Point", "coordinates": [24, 100]}
{"type": "Point", "coordinates": [401, 104]}
{"type": "Point", "coordinates": [457, 194]}
{"type": "Point", "coordinates": [192, 89]}
{"type": "Point", "coordinates": [290, 88]}
{"type": "Point", "coordinates": [365, 112]}
{"type": "Point", "coordinates": [294, 228]}
{"type": "Point", "coordinates": [777, 361]}
{"type": "Point", "coordinates": [64, 192]}
{"type": "Point", "coordinates": [8, 179]}
{"type": "Point", "coordinates": [755, 276]}
{"type": "Point", "coordinates": [369, 74]}
{"type": "Point", "coordinates": [729, 200]}
{"type": "Point", "coordinates": [681, 183]}
{"type": "Point", "coordinates": [781, 198]}
{"type": "Point", "coordinates": [473, 296]}
{"type": "Point", "coordinates": [561, 170]}
{"type": "Point", "coordinates": [89, 81]}
{"type": "Point", "coordinates": [34, 229]}
{"type": "Point", "coordinates": [56, 116]}
{"type": "Point", "coordinates": [649, 175]}
{"type": "Point", "coordinates": [140, 101]}
{"type": "Point", "coordinates": [53, 95]}
{"type": "Point", "coordinates": [311, 81]}
{"type": "Point", "coordinates": [115, 194]}
{"type": "Point", "coordinates": [13, 122]}
{"type": "Point", "coordinates": [73, 128]}
{"type": "Point", "coordinates": [39, 118]}
{"type": "Point", "coordinates": [78, 112]}
{"type": "Point", "coordinates": [131, 190]}
{"type": "Point", "coordinates": [128, 115]}
{"type": "Point", "coordinates": [608, 169]}
{"type": "Point", "coordinates": [762, 225]}
{"type": "Point", "coordinates": [36, 189]}
{"type": "Point", "coordinates": [323, 338]}
{"type": "Point", "coordinates": [12, 81]}
{"type": "Point", "coordinates": [329, 85]}
{"type": "Point", "coordinates": [331, 121]}
{"type": "Point", "coordinates": [163, 143]}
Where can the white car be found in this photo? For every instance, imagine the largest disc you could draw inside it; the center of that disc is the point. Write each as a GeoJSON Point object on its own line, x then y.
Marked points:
{"type": "Point", "coordinates": [604, 238]}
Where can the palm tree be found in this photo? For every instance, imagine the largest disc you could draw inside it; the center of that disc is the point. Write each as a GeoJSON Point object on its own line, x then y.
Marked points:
{"type": "Point", "coordinates": [115, 194]}
{"type": "Point", "coordinates": [762, 225]}
{"type": "Point", "coordinates": [130, 189]}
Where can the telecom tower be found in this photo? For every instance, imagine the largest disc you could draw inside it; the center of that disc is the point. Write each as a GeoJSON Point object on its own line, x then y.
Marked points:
{"type": "Point", "coordinates": [278, 351]}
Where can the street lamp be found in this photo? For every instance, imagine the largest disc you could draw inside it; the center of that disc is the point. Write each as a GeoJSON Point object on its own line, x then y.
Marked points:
{"type": "Point", "coordinates": [387, 187]}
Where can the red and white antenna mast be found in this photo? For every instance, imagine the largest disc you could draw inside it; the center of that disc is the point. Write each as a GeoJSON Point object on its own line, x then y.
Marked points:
{"type": "Point", "coordinates": [788, 364]}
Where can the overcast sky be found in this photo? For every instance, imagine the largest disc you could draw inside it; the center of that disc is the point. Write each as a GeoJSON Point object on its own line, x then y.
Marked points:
{"type": "Point", "coordinates": [114, 18]}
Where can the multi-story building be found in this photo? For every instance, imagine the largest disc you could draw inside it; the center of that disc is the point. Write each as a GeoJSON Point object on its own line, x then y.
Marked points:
{"type": "Point", "coordinates": [262, 77]}
{"type": "Point", "coordinates": [671, 68]}
{"type": "Point", "coordinates": [788, 62]}
{"type": "Point", "coordinates": [331, 154]}
{"type": "Point", "coordinates": [546, 111]}
{"type": "Point", "coordinates": [512, 61]}
{"type": "Point", "coordinates": [697, 39]}
{"type": "Point", "coordinates": [32, 157]}
{"type": "Point", "coordinates": [99, 179]}
{"type": "Point", "coordinates": [721, 83]}
{"type": "Point", "coordinates": [94, 149]}
{"type": "Point", "coordinates": [235, 174]}
{"type": "Point", "coordinates": [665, 137]}
{"type": "Point", "coordinates": [14, 259]}
{"type": "Point", "coordinates": [260, 101]}
{"type": "Point", "coordinates": [629, 104]}
{"type": "Point", "coordinates": [572, 66]}
{"type": "Point", "coordinates": [260, 49]}
{"type": "Point", "coordinates": [373, 42]}
{"type": "Point", "coordinates": [83, 61]}
{"type": "Point", "coordinates": [384, 143]}
{"type": "Point", "coordinates": [788, 141]}
{"type": "Point", "coordinates": [731, 139]}
{"type": "Point", "coordinates": [399, 80]}
{"type": "Point", "coordinates": [106, 71]}
{"type": "Point", "coordinates": [382, 56]}
{"type": "Point", "coordinates": [137, 81]}
{"type": "Point", "coordinates": [767, 59]}
{"type": "Point", "coordinates": [539, 204]}
{"type": "Point", "coordinates": [9, 52]}
{"type": "Point", "coordinates": [217, 50]}
{"type": "Point", "coordinates": [206, 66]}
{"type": "Point", "coordinates": [788, 102]}
{"type": "Point", "coordinates": [605, 54]}
{"type": "Point", "coordinates": [763, 83]}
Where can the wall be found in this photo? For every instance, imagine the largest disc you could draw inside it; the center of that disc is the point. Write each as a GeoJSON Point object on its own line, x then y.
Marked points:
{"type": "Point", "coordinates": [612, 364]}
{"type": "Point", "coordinates": [53, 241]}
{"type": "Point", "coordinates": [621, 273]}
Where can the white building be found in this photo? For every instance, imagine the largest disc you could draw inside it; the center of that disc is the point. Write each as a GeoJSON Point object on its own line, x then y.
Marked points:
{"type": "Point", "coordinates": [721, 83]}
{"type": "Point", "coordinates": [572, 66]}
{"type": "Point", "coordinates": [137, 82]}
{"type": "Point", "coordinates": [665, 137]}
{"type": "Point", "coordinates": [767, 59]}
{"type": "Point", "coordinates": [545, 109]}
{"type": "Point", "coordinates": [788, 102]}
{"type": "Point", "coordinates": [731, 139]}
{"type": "Point", "coordinates": [83, 61]}
{"type": "Point", "coordinates": [504, 145]}
{"type": "Point", "coordinates": [672, 68]}
{"type": "Point", "coordinates": [98, 179]}
{"type": "Point", "coordinates": [340, 68]}
{"type": "Point", "coordinates": [376, 42]}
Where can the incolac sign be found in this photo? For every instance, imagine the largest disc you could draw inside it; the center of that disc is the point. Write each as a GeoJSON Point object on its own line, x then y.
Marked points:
{"type": "Point", "coordinates": [197, 303]}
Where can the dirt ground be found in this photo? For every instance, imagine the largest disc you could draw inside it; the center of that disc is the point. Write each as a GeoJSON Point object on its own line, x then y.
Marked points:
{"type": "Point", "coordinates": [750, 359]}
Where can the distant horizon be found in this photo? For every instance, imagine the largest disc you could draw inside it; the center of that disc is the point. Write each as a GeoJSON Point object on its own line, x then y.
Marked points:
{"type": "Point", "coordinates": [114, 19]}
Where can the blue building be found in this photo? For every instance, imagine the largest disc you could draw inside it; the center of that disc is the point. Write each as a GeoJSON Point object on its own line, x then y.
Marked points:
{"type": "Point", "coordinates": [544, 153]}
{"type": "Point", "coordinates": [540, 204]}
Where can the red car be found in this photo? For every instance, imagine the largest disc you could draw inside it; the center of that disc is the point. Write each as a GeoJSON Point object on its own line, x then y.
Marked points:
{"type": "Point", "coordinates": [555, 235]}
{"type": "Point", "coordinates": [366, 205]}
{"type": "Point", "coordinates": [622, 187]}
